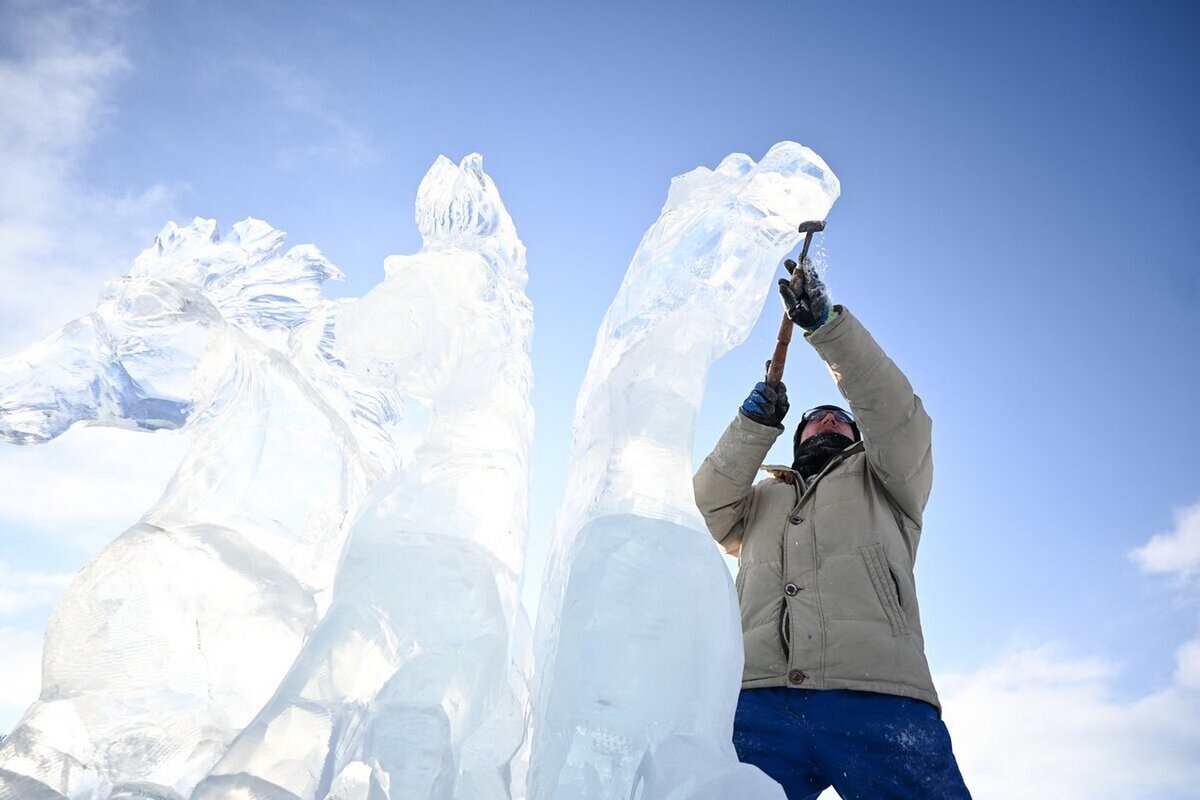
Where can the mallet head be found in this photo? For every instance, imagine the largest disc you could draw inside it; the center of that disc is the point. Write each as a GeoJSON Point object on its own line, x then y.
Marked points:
{"type": "Point", "coordinates": [808, 229]}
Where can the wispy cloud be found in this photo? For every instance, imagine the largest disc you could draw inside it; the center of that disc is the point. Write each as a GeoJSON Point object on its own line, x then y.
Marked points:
{"type": "Point", "coordinates": [336, 139]}
{"type": "Point", "coordinates": [59, 237]}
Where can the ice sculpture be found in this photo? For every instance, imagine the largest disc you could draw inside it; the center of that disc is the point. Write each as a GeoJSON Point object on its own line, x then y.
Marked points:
{"type": "Point", "coordinates": [639, 637]}
{"type": "Point", "coordinates": [170, 640]}
{"type": "Point", "coordinates": [411, 686]}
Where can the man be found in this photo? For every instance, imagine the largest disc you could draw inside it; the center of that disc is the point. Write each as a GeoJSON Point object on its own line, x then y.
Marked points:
{"type": "Point", "coordinates": [836, 688]}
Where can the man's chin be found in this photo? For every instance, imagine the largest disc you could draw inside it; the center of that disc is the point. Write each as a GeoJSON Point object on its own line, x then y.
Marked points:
{"type": "Point", "coordinates": [815, 452]}
{"type": "Point", "coordinates": [826, 439]}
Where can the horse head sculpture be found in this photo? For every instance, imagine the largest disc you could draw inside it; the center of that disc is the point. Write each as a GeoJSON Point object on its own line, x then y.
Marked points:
{"type": "Point", "coordinates": [153, 352]}
{"type": "Point", "coordinates": [170, 639]}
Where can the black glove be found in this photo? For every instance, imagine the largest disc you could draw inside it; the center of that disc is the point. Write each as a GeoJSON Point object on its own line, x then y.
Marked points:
{"type": "Point", "coordinates": [766, 405]}
{"type": "Point", "coordinates": [808, 304]}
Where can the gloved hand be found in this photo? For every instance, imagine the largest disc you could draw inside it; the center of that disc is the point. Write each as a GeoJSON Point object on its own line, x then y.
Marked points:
{"type": "Point", "coordinates": [766, 405]}
{"type": "Point", "coordinates": [808, 304]}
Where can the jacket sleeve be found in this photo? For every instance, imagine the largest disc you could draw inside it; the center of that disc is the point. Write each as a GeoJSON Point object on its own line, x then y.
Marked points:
{"type": "Point", "coordinates": [724, 483]}
{"type": "Point", "coordinates": [895, 428]}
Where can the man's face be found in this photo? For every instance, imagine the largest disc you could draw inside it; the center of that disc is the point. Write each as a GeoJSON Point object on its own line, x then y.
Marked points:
{"type": "Point", "coordinates": [825, 420]}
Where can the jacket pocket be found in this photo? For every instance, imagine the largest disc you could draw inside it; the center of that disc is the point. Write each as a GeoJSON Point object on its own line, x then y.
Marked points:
{"type": "Point", "coordinates": [885, 587]}
{"type": "Point", "coordinates": [785, 632]}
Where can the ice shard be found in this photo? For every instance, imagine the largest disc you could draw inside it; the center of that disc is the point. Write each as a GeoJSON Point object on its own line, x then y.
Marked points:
{"type": "Point", "coordinates": [170, 640]}
{"type": "Point", "coordinates": [413, 684]}
{"type": "Point", "coordinates": [639, 637]}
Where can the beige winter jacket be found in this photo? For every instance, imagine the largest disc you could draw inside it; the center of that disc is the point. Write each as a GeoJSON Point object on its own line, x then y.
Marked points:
{"type": "Point", "coordinates": [826, 581]}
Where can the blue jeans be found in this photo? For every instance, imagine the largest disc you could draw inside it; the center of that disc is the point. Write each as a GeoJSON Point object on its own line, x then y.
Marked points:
{"type": "Point", "coordinates": [867, 746]}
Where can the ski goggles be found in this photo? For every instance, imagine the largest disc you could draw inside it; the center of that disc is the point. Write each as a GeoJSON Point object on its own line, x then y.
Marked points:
{"type": "Point", "coordinates": [821, 411]}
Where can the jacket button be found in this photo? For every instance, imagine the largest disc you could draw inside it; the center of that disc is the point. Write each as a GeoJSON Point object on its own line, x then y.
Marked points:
{"type": "Point", "coordinates": [797, 677]}
{"type": "Point", "coordinates": [791, 589]}
{"type": "Point", "coordinates": [795, 519]}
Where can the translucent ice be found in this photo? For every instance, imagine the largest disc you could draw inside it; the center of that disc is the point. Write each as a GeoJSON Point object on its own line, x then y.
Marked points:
{"type": "Point", "coordinates": [639, 637]}
{"type": "Point", "coordinates": [413, 684]}
{"type": "Point", "coordinates": [167, 642]}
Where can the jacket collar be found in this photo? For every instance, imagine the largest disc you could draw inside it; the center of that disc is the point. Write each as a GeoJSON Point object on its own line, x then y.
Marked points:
{"type": "Point", "coordinates": [792, 477]}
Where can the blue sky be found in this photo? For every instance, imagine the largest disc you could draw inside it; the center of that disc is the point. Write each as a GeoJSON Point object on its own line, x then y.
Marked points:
{"type": "Point", "coordinates": [1016, 227]}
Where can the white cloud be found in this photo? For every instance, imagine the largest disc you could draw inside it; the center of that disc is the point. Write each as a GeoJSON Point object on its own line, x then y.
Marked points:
{"type": "Point", "coordinates": [52, 96]}
{"type": "Point", "coordinates": [1187, 665]}
{"type": "Point", "coordinates": [20, 674]}
{"type": "Point", "coordinates": [1044, 723]}
{"type": "Point", "coordinates": [1177, 552]}
{"type": "Point", "coordinates": [21, 591]}
{"type": "Point", "coordinates": [87, 486]}
{"type": "Point", "coordinates": [342, 142]}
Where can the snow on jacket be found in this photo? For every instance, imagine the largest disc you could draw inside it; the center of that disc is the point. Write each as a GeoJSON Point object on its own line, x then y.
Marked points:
{"type": "Point", "coordinates": [826, 586]}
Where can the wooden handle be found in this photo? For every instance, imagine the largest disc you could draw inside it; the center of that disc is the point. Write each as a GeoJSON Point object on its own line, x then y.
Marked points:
{"type": "Point", "coordinates": [775, 370]}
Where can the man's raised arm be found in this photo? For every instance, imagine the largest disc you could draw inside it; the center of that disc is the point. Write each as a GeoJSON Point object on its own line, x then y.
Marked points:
{"type": "Point", "coordinates": [895, 428]}
{"type": "Point", "coordinates": [724, 484]}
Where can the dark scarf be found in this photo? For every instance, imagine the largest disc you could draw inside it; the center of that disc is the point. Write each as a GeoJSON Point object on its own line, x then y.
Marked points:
{"type": "Point", "coordinates": [815, 452]}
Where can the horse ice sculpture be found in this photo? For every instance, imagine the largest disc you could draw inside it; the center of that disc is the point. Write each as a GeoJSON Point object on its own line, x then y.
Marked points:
{"type": "Point", "coordinates": [168, 641]}
{"type": "Point", "coordinates": [639, 636]}
{"type": "Point", "coordinates": [411, 687]}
